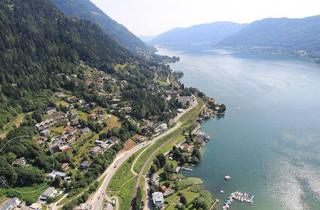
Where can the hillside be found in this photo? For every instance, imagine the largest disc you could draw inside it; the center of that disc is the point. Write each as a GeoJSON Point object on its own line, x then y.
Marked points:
{"type": "Point", "coordinates": [202, 36]}
{"type": "Point", "coordinates": [70, 97]}
{"type": "Point", "coordinates": [86, 10]}
{"type": "Point", "coordinates": [279, 33]}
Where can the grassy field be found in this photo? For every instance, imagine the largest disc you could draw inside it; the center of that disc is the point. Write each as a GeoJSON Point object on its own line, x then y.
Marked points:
{"type": "Point", "coordinates": [30, 194]}
{"type": "Point", "coordinates": [174, 199]}
{"type": "Point", "coordinates": [122, 175]}
{"type": "Point", "coordinates": [15, 122]}
{"type": "Point", "coordinates": [184, 183]}
{"type": "Point", "coordinates": [123, 182]}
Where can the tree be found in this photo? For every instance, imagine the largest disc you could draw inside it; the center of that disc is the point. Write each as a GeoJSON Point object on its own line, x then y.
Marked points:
{"type": "Point", "coordinates": [137, 200]}
{"type": "Point", "coordinates": [196, 153]}
{"type": "Point", "coordinates": [199, 203]}
{"type": "Point", "coordinates": [162, 159]}
{"type": "Point", "coordinates": [153, 169]}
{"type": "Point", "coordinates": [183, 200]}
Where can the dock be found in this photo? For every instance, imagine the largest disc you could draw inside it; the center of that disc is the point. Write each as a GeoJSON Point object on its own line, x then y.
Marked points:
{"type": "Point", "coordinates": [240, 196]}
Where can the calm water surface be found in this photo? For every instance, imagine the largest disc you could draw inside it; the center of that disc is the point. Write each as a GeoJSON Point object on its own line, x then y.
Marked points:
{"type": "Point", "coordinates": [269, 139]}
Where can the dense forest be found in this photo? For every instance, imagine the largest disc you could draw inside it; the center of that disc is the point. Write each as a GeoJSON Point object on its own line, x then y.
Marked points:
{"type": "Point", "coordinates": [85, 9]}
{"type": "Point", "coordinates": [39, 46]}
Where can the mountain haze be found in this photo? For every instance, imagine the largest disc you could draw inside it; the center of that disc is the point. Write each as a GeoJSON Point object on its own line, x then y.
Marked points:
{"type": "Point", "coordinates": [279, 33]}
{"type": "Point", "coordinates": [85, 9]}
{"type": "Point", "coordinates": [198, 36]}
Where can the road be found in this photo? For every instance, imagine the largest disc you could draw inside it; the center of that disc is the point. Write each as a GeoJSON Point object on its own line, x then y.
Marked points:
{"type": "Point", "coordinates": [96, 201]}
{"type": "Point", "coordinates": [147, 162]}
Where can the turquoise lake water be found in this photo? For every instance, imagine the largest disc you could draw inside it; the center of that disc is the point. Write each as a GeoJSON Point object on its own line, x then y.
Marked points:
{"type": "Point", "coordinates": [269, 139]}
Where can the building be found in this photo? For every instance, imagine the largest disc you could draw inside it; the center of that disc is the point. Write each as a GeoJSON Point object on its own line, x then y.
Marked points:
{"type": "Point", "coordinates": [155, 179]}
{"type": "Point", "coordinates": [45, 132]}
{"type": "Point", "coordinates": [55, 174]}
{"type": "Point", "coordinates": [85, 165]}
{"type": "Point", "coordinates": [113, 139]}
{"type": "Point", "coordinates": [49, 193]}
{"type": "Point", "coordinates": [161, 128]}
{"type": "Point", "coordinates": [11, 204]}
{"type": "Point", "coordinates": [158, 200]}
{"type": "Point", "coordinates": [36, 206]}
{"type": "Point", "coordinates": [85, 130]}
{"type": "Point", "coordinates": [20, 162]}
{"type": "Point", "coordinates": [65, 166]}
{"type": "Point", "coordinates": [96, 150]}
{"type": "Point", "coordinates": [50, 110]}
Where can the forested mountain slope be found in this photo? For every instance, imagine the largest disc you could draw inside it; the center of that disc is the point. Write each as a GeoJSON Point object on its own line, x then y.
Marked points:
{"type": "Point", "coordinates": [279, 33]}
{"type": "Point", "coordinates": [86, 10]}
{"type": "Point", "coordinates": [38, 43]}
{"type": "Point", "coordinates": [198, 36]}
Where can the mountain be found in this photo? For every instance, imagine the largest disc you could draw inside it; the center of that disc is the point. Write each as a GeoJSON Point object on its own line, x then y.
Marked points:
{"type": "Point", "coordinates": [85, 9]}
{"type": "Point", "coordinates": [279, 33]}
{"type": "Point", "coordinates": [38, 45]}
{"type": "Point", "coordinates": [198, 36]}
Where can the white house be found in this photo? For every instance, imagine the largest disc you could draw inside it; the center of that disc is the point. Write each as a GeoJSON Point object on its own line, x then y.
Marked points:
{"type": "Point", "coordinates": [158, 200]}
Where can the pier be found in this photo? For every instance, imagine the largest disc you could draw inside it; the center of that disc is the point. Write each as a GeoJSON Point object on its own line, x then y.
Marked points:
{"type": "Point", "coordinates": [240, 196]}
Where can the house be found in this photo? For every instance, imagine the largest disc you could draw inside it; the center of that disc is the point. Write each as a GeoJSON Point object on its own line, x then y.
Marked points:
{"type": "Point", "coordinates": [49, 193]}
{"type": "Point", "coordinates": [92, 116]}
{"type": "Point", "coordinates": [55, 174]}
{"type": "Point", "coordinates": [45, 132]}
{"type": "Point", "coordinates": [72, 99]}
{"type": "Point", "coordinates": [20, 162]}
{"type": "Point", "coordinates": [85, 130]}
{"type": "Point", "coordinates": [187, 148]}
{"type": "Point", "coordinates": [85, 165]}
{"type": "Point", "coordinates": [169, 191]}
{"type": "Point", "coordinates": [186, 101]}
{"type": "Point", "coordinates": [35, 206]}
{"type": "Point", "coordinates": [63, 148]}
{"type": "Point", "coordinates": [155, 179]}
{"type": "Point", "coordinates": [161, 128]}
{"type": "Point", "coordinates": [158, 200]}
{"type": "Point", "coordinates": [13, 203]}
{"type": "Point", "coordinates": [65, 166]}
{"type": "Point", "coordinates": [139, 138]}
{"type": "Point", "coordinates": [113, 139]}
{"type": "Point", "coordinates": [96, 150]}
{"type": "Point", "coordinates": [50, 110]}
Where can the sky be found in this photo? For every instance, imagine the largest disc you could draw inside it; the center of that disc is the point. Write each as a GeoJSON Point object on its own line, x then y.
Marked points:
{"type": "Point", "coordinates": [152, 17]}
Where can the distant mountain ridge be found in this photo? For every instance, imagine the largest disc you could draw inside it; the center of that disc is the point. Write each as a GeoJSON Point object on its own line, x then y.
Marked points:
{"type": "Point", "coordinates": [297, 36]}
{"type": "Point", "coordinates": [279, 33]}
{"type": "Point", "coordinates": [85, 9]}
{"type": "Point", "coordinates": [198, 36]}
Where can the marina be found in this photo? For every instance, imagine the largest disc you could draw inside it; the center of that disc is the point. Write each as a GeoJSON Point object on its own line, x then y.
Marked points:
{"type": "Point", "coordinates": [240, 196]}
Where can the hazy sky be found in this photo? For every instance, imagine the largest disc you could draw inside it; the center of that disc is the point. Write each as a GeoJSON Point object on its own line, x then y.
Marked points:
{"type": "Point", "coordinates": [151, 17]}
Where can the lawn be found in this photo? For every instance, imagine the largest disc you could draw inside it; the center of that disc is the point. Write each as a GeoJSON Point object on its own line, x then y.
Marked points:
{"type": "Point", "coordinates": [82, 115]}
{"type": "Point", "coordinates": [175, 198]}
{"type": "Point", "coordinates": [184, 183]}
{"type": "Point", "coordinates": [62, 103]}
{"type": "Point", "coordinates": [30, 194]}
{"type": "Point", "coordinates": [122, 175]}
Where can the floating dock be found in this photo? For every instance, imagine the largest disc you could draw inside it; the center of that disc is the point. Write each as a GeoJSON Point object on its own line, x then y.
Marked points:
{"type": "Point", "coordinates": [240, 196]}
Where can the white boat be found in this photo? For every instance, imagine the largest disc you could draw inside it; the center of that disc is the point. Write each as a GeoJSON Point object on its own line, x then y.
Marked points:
{"type": "Point", "coordinates": [227, 178]}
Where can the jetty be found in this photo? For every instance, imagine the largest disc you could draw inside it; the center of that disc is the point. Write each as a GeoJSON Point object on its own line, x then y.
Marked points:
{"type": "Point", "coordinates": [240, 196]}
{"type": "Point", "coordinates": [186, 169]}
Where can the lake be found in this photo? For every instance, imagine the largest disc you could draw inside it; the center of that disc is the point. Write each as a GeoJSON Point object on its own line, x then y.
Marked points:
{"type": "Point", "coordinates": [269, 139]}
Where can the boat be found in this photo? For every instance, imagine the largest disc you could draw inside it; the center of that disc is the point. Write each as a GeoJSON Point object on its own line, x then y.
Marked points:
{"type": "Point", "coordinates": [227, 178]}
